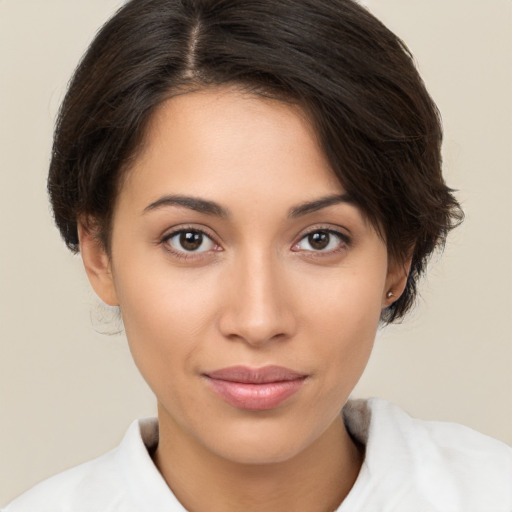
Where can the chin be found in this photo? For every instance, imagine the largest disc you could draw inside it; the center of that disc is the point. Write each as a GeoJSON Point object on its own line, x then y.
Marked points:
{"type": "Point", "coordinates": [259, 453]}
{"type": "Point", "coordinates": [261, 442]}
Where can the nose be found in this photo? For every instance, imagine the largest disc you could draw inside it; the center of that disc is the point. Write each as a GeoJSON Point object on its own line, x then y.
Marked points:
{"type": "Point", "coordinates": [258, 303]}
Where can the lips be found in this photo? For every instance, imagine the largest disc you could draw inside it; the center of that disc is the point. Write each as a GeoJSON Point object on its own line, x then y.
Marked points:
{"type": "Point", "coordinates": [256, 389]}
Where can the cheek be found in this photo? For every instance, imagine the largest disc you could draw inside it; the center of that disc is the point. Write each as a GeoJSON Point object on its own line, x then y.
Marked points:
{"type": "Point", "coordinates": [343, 317]}
{"type": "Point", "coordinates": [166, 314]}
{"type": "Point", "coordinates": [347, 302]}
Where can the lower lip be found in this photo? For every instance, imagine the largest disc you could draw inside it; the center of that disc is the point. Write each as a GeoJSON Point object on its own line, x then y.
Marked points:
{"type": "Point", "coordinates": [255, 397]}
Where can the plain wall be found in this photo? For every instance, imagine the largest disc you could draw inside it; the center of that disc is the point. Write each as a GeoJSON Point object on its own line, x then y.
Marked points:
{"type": "Point", "coordinates": [67, 393]}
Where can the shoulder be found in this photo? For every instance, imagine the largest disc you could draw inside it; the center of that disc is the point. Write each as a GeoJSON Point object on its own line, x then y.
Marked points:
{"type": "Point", "coordinates": [121, 479]}
{"type": "Point", "coordinates": [444, 465]}
{"type": "Point", "coordinates": [71, 488]}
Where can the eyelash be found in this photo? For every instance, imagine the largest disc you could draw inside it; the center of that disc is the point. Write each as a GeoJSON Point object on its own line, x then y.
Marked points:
{"type": "Point", "coordinates": [344, 243]}
{"type": "Point", "coordinates": [183, 254]}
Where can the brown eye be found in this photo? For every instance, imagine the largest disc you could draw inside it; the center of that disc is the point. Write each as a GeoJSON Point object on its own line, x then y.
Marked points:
{"type": "Point", "coordinates": [322, 241]}
{"type": "Point", "coordinates": [190, 240]}
{"type": "Point", "coordinates": [319, 240]}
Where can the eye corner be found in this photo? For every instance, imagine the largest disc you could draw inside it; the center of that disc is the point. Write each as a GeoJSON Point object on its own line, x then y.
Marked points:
{"type": "Point", "coordinates": [332, 241]}
{"type": "Point", "coordinates": [200, 244]}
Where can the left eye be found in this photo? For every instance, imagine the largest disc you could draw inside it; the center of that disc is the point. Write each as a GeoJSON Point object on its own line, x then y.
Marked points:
{"type": "Point", "coordinates": [320, 241]}
{"type": "Point", "coordinates": [190, 240]}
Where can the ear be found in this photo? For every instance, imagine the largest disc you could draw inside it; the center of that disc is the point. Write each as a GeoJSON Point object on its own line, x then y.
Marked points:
{"type": "Point", "coordinates": [396, 280]}
{"type": "Point", "coordinates": [97, 265]}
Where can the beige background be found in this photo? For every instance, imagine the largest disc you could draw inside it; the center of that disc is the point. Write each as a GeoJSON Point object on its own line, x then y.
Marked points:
{"type": "Point", "coordinates": [68, 393]}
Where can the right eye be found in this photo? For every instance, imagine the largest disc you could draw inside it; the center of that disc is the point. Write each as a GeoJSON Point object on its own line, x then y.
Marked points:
{"type": "Point", "coordinates": [189, 241]}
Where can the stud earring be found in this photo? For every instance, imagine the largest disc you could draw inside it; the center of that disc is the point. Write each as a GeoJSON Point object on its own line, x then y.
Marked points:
{"type": "Point", "coordinates": [389, 295]}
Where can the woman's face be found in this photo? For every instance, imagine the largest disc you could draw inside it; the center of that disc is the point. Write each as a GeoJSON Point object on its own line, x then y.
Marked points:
{"type": "Point", "coordinates": [250, 285]}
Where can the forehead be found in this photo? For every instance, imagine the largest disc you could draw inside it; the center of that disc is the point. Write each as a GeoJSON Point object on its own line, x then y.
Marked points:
{"type": "Point", "coordinates": [224, 141]}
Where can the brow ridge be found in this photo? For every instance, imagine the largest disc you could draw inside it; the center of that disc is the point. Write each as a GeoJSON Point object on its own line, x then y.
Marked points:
{"type": "Point", "coordinates": [319, 204]}
{"type": "Point", "coordinates": [190, 202]}
{"type": "Point", "coordinates": [212, 208]}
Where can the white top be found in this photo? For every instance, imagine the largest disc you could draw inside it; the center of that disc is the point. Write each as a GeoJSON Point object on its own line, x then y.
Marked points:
{"type": "Point", "coordinates": [410, 465]}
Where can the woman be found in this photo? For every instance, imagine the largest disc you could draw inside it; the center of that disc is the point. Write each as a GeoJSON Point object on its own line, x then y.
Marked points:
{"type": "Point", "coordinates": [257, 185]}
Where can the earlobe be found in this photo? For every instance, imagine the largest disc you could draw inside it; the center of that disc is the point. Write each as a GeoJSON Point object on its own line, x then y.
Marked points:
{"type": "Point", "coordinates": [97, 265]}
{"type": "Point", "coordinates": [396, 282]}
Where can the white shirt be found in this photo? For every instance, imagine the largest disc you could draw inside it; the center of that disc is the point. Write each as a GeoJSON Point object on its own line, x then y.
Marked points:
{"type": "Point", "coordinates": [409, 466]}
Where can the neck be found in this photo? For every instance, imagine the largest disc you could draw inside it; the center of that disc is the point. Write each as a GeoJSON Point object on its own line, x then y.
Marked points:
{"type": "Point", "coordinates": [315, 480]}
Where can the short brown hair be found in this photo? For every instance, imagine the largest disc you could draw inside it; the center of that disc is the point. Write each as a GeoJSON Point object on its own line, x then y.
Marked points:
{"type": "Point", "coordinates": [354, 78]}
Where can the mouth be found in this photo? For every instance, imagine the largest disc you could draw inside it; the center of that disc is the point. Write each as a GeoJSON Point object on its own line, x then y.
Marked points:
{"type": "Point", "coordinates": [255, 389]}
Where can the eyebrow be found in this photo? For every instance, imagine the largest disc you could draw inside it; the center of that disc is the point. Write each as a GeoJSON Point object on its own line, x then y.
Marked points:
{"type": "Point", "coordinates": [192, 203]}
{"type": "Point", "coordinates": [319, 204]}
{"type": "Point", "coordinates": [213, 208]}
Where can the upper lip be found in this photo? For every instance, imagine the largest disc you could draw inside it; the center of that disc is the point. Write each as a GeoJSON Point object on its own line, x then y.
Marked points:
{"type": "Point", "coordinates": [247, 375]}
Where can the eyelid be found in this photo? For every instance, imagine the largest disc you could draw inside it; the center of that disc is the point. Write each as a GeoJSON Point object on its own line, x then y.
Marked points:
{"type": "Point", "coordinates": [337, 231]}
{"type": "Point", "coordinates": [176, 230]}
{"type": "Point", "coordinates": [330, 228]}
{"type": "Point", "coordinates": [346, 239]}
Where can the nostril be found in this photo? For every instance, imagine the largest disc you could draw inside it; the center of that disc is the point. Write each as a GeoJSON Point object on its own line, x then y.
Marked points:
{"type": "Point", "coordinates": [257, 328]}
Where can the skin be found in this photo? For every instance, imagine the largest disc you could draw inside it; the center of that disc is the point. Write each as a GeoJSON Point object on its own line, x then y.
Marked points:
{"type": "Point", "coordinates": [256, 292]}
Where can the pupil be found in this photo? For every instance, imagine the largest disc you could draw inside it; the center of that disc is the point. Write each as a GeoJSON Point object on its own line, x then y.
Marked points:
{"type": "Point", "coordinates": [319, 240]}
{"type": "Point", "coordinates": [191, 240]}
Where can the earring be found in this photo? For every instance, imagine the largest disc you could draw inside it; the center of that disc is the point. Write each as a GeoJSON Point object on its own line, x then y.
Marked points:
{"type": "Point", "coordinates": [389, 295]}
